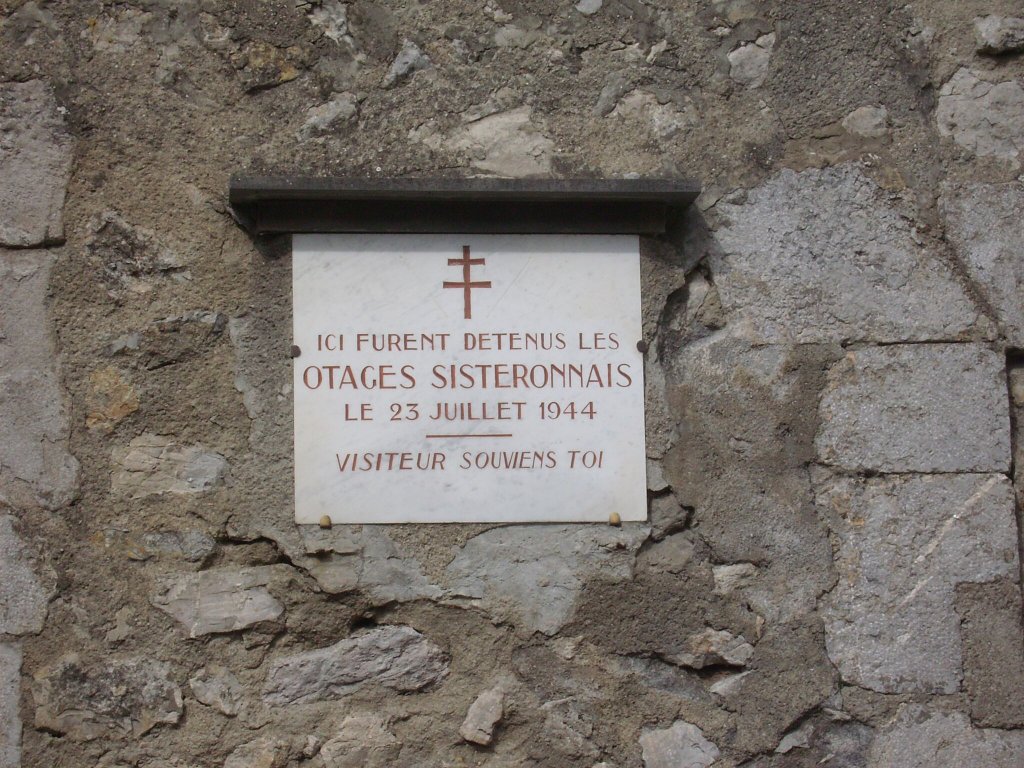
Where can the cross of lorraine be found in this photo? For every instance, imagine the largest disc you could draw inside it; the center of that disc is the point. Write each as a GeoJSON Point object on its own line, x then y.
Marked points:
{"type": "Point", "coordinates": [467, 284]}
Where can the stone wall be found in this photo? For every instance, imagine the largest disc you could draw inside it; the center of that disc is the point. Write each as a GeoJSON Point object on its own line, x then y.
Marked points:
{"type": "Point", "coordinates": [830, 573]}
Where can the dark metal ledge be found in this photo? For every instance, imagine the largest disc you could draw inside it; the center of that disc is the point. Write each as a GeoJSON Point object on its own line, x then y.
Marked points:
{"type": "Point", "coordinates": [270, 204]}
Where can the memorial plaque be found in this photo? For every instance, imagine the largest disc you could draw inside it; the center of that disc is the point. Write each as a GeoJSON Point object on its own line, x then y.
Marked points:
{"type": "Point", "coordinates": [468, 378]}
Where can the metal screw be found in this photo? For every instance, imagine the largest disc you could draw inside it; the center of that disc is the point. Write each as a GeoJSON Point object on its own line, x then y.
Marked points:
{"type": "Point", "coordinates": [325, 521]}
{"type": "Point", "coordinates": [614, 519]}
{"type": "Point", "coordinates": [642, 347]}
{"type": "Point", "coordinates": [295, 351]}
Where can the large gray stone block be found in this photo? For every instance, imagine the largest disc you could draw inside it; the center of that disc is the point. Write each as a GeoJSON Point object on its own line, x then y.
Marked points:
{"type": "Point", "coordinates": [983, 222]}
{"type": "Point", "coordinates": [824, 256]}
{"type": "Point", "coordinates": [35, 465]}
{"type": "Point", "coordinates": [916, 408]}
{"type": "Point", "coordinates": [35, 165]}
{"type": "Point", "coordinates": [921, 737]}
{"type": "Point", "coordinates": [903, 543]}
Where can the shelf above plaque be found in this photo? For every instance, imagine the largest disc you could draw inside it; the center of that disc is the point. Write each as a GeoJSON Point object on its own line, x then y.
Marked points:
{"type": "Point", "coordinates": [284, 204]}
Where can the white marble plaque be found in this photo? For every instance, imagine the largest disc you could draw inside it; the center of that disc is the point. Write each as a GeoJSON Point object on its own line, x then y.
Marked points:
{"type": "Point", "coordinates": [468, 378]}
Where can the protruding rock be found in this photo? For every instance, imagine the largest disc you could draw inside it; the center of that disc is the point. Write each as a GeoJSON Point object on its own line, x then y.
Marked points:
{"type": "Point", "coordinates": [35, 165]}
{"type": "Point", "coordinates": [120, 697]}
{"type": "Point", "coordinates": [484, 714]}
{"type": "Point", "coordinates": [329, 117]}
{"type": "Point", "coordinates": [681, 744]}
{"type": "Point", "coordinates": [748, 64]}
{"type": "Point", "coordinates": [221, 600]}
{"type": "Point", "coordinates": [217, 687]}
{"type": "Point", "coordinates": [396, 657]}
{"type": "Point", "coordinates": [363, 741]}
{"type": "Point", "coordinates": [713, 647]}
{"type": "Point", "coordinates": [996, 35]}
{"type": "Point", "coordinates": [408, 61]}
{"type": "Point", "coordinates": [505, 144]}
{"type": "Point", "coordinates": [156, 464]}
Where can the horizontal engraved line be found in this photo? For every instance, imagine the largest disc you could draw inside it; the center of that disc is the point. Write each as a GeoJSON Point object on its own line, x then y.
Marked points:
{"type": "Point", "coordinates": [475, 434]}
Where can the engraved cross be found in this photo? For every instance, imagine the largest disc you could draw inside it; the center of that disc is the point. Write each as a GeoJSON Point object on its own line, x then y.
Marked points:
{"type": "Point", "coordinates": [466, 285]}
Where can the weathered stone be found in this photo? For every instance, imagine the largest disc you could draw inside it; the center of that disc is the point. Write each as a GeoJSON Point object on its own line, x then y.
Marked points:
{"type": "Point", "coordinates": [157, 464]}
{"type": "Point", "coordinates": [264, 752]}
{"type": "Point", "coordinates": [190, 546]}
{"type": "Point", "coordinates": [216, 686]}
{"type": "Point", "coordinates": [670, 555]}
{"type": "Point", "coordinates": [36, 468]}
{"type": "Point", "coordinates": [363, 741]}
{"type": "Point", "coordinates": [23, 598]}
{"type": "Point", "coordinates": [505, 144]}
{"type": "Point", "coordinates": [589, 7]}
{"type": "Point", "coordinates": [408, 61]}
{"type": "Point", "coordinates": [262, 65]}
{"type": "Point", "coordinates": [111, 398]}
{"type": "Point", "coordinates": [116, 697]}
{"type": "Point", "coordinates": [10, 706]}
{"type": "Point", "coordinates": [344, 559]}
{"type": "Point", "coordinates": [662, 676]}
{"type": "Point", "coordinates": [221, 600]}
{"type": "Point", "coordinates": [916, 408]}
{"type": "Point", "coordinates": [993, 652]}
{"type": "Point", "coordinates": [680, 745]}
{"type": "Point", "coordinates": [983, 117]}
{"type": "Point", "coordinates": [615, 87]}
{"type": "Point", "coordinates": [35, 165]}
{"type": "Point", "coordinates": [328, 117]}
{"type": "Point", "coordinates": [132, 258]}
{"type": "Point", "coordinates": [748, 64]}
{"type": "Point", "coordinates": [484, 714]}
{"type": "Point", "coordinates": [729, 685]}
{"type": "Point", "coordinates": [867, 122]}
{"type": "Point", "coordinates": [396, 657]}
{"type": "Point", "coordinates": [982, 223]}
{"type": "Point", "coordinates": [532, 574]}
{"type": "Point", "coordinates": [729, 578]}
{"type": "Point", "coordinates": [821, 743]}
{"type": "Point", "coordinates": [997, 35]}
{"type": "Point", "coordinates": [800, 738]}
{"type": "Point", "coordinates": [824, 256]}
{"type": "Point", "coordinates": [566, 730]}
{"type": "Point", "coordinates": [920, 737]}
{"type": "Point", "coordinates": [902, 544]}
{"type": "Point", "coordinates": [712, 647]}
{"type": "Point", "coordinates": [332, 17]}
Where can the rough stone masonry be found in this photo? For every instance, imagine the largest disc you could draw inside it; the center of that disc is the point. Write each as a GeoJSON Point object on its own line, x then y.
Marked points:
{"type": "Point", "coordinates": [830, 573]}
